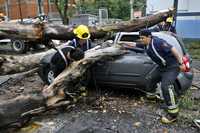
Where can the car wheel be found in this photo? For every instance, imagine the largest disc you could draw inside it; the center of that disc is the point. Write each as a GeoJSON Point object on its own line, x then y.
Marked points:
{"type": "Point", "coordinates": [47, 73]}
{"type": "Point", "coordinates": [50, 76]}
{"type": "Point", "coordinates": [19, 46]}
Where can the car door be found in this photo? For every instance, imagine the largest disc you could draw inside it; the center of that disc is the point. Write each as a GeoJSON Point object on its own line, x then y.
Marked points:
{"type": "Point", "coordinates": [128, 70]}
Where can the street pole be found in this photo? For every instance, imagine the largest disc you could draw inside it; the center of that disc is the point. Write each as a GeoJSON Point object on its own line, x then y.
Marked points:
{"type": "Point", "coordinates": [50, 10]}
{"type": "Point", "coordinates": [176, 10]}
{"type": "Point", "coordinates": [20, 10]}
{"type": "Point", "coordinates": [131, 6]}
{"type": "Point", "coordinates": [7, 9]}
{"type": "Point", "coordinates": [39, 7]}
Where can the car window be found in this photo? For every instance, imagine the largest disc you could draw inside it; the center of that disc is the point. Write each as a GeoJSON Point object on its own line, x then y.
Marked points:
{"type": "Point", "coordinates": [171, 40]}
{"type": "Point", "coordinates": [130, 38]}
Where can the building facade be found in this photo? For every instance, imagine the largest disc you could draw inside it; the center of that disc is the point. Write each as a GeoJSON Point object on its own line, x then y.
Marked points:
{"type": "Point", "coordinates": [15, 9]}
{"type": "Point", "coordinates": [188, 16]}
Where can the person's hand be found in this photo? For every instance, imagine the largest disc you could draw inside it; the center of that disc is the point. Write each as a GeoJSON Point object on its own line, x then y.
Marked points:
{"type": "Point", "coordinates": [76, 54]}
{"type": "Point", "coordinates": [182, 67]}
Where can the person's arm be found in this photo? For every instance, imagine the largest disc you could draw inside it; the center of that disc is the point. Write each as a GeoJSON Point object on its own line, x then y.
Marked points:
{"type": "Point", "coordinates": [167, 48]}
{"type": "Point", "coordinates": [75, 54]}
{"type": "Point", "coordinates": [178, 58]}
{"type": "Point", "coordinates": [129, 45]}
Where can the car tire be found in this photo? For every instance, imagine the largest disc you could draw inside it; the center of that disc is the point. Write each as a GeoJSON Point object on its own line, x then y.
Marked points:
{"type": "Point", "coordinates": [19, 46]}
{"type": "Point", "coordinates": [47, 73]}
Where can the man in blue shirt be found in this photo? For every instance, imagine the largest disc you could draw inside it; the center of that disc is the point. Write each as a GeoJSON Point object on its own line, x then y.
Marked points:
{"type": "Point", "coordinates": [170, 64]}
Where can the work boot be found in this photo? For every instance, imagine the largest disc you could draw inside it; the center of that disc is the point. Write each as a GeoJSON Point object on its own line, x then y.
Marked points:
{"type": "Point", "coordinates": [153, 96]}
{"type": "Point", "coordinates": [171, 116]}
{"type": "Point", "coordinates": [168, 119]}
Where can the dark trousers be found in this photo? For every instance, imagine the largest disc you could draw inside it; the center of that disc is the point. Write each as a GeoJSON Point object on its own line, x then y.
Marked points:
{"type": "Point", "coordinates": [168, 77]}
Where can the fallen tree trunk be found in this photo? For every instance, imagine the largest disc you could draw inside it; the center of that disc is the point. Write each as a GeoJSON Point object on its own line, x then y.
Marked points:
{"type": "Point", "coordinates": [46, 31]}
{"type": "Point", "coordinates": [12, 110]}
{"type": "Point", "coordinates": [10, 64]}
{"type": "Point", "coordinates": [70, 75]}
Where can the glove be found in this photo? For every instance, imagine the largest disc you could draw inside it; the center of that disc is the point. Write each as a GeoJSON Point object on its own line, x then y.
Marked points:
{"type": "Point", "coordinates": [76, 54]}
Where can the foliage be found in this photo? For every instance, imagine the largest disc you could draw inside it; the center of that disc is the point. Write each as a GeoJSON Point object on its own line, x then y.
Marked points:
{"type": "Point", "coordinates": [119, 9]}
{"type": "Point", "coordinates": [62, 7]}
{"type": "Point", "coordinates": [193, 47]}
{"type": "Point", "coordinates": [116, 8]}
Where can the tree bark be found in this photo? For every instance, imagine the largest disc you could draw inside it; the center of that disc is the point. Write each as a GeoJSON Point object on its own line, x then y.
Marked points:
{"type": "Point", "coordinates": [10, 64]}
{"type": "Point", "coordinates": [12, 110]}
{"type": "Point", "coordinates": [60, 32]}
{"type": "Point", "coordinates": [71, 75]}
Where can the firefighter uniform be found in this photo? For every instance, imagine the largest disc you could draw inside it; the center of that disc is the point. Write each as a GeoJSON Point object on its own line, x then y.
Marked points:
{"type": "Point", "coordinates": [160, 52]}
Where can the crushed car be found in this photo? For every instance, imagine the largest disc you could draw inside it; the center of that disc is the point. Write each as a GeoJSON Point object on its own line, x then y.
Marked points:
{"type": "Point", "coordinates": [131, 70]}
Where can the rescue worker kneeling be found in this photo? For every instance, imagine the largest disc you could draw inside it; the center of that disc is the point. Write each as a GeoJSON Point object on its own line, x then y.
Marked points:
{"type": "Point", "coordinates": [73, 51]}
{"type": "Point", "coordinates": [170, 64]}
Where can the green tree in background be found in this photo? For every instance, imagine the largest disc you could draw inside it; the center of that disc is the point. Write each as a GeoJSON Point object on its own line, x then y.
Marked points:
{"type": "Point", "coordinates": [62, 7]}
{"type": "Point", "coordinates": [119, 9]}
{"type": "Point", "coordinates": [116, 8]}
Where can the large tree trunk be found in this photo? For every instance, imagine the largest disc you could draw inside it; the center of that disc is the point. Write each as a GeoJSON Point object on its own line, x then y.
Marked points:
{"type": "Point", "coordinates": [71, 75]}
{"type": "Point", "coordinates": [51, 31]}
{"type": "Point", "coordinates": [10, 64]}
{"type": "Point", "coordinates": [12, 110]}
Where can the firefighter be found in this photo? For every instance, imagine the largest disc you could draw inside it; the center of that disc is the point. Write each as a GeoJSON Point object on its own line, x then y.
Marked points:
{"type": "Point", "coordinates": [82, 38]}
{"type": "Point", "coordinates": [74, 50]}
{"type": "Point", "coordinates": [168, 25]}
{"type": "Point", "coordinates": [170, 64]}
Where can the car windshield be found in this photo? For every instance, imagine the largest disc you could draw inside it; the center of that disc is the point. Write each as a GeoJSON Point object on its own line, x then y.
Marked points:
{"type": "Point", "coordinates": [171, 40]}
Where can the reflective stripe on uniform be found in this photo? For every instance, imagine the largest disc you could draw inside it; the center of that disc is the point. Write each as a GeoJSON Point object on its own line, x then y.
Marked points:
{"type": "Point", "coordinates": [87, 43]}
{"type": "Point", "coordinates": [173, 111]}
{"type": "Point", "coordinates": [172, 96]}
{"type": "Point", "coordinates": [62, 54]}
{"type": "Point", "coordinates": [75, 44]}
{"type": "Point", "coordinates": [157, 54]}
{"type": "Point", "coordinates": [88, 47]}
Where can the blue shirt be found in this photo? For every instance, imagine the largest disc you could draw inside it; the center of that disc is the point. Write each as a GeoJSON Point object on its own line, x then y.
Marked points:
{"type": "Point", "coordinates": [159, 47]}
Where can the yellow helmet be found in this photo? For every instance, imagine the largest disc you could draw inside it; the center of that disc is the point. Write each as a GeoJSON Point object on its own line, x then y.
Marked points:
{"type": "Point", "coordinates": [169, 19]}
{"type": "Point", "coordinates": [82, 32]}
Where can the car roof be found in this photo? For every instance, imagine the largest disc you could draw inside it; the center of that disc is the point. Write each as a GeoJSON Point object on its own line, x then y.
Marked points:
{"type": "Point", "coordinates": [153, 33]}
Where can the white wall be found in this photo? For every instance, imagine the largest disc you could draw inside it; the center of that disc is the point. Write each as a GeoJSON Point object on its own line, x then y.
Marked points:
{"type": "Point", "coordinates": [194, 5]}
{"type": "Point", "coordinates": [183, 5]}
{"type": "Point", "coordinates": [156, 5]}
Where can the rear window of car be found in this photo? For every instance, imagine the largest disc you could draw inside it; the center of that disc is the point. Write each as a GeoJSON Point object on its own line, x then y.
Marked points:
{"type": "Point", "coordinates": [171, 40]}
